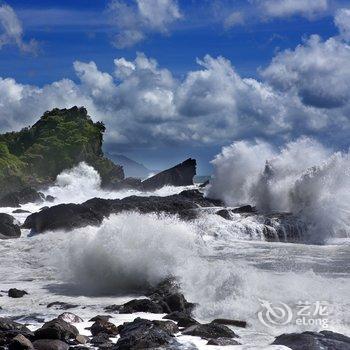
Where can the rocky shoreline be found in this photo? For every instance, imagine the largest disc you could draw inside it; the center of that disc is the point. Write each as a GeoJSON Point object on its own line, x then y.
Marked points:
{"type": "Point", "coordinates": [61, 333]}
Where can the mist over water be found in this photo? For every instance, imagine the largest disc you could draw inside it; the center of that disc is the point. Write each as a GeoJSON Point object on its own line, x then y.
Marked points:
{"type": "Point", "coordinates": [303, 178]}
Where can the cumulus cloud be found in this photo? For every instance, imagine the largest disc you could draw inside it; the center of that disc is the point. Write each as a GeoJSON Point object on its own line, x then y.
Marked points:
{"type": "Point", "coordinates": [11, 31]}
{"type": "Point", "coordinates": [286, 8]}
{"type": "Point", "coordinates": [317, 71]}
{"type": "Point", "coordinates": [135, 20]}
{"type": "Point", "coordinates": [342, 21]}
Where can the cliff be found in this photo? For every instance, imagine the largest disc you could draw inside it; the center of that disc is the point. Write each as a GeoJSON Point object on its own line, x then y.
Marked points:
{"type": "Point", "coordinates": [60, 140]}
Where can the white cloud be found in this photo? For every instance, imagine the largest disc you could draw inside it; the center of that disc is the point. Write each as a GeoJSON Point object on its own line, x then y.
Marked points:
{"type": "Point", "coordinates": [11, 31]}
{"type": "Point", "coordinates": [286, 8]}
{"type": "Point", "coordinates": [342, 21]}
{"type": "Point", "coordinates": [234, 19]}
{"type": "Point", "coordinates": [317, 71]}
{"type": "Point", "coordinates": [135, 20]}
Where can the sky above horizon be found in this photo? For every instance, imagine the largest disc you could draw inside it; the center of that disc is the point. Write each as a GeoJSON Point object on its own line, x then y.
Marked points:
{"type": "Point", "coordinates": [177, 79]}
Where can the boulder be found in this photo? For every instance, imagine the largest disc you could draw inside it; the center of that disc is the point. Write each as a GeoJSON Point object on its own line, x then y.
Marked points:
{"type": "Point", "coordinates": [20, 211]}
{"type": "Point", "coordinates": [92, 212]}
{"type": "Point", "coordinates": [50, 344]}
{"type": "Point", "coordinates": [9, 227]}
{"type": "Point", "coordinates": [210, 331]}
{"type": "Point", "coordinates": [103, 327]}
{"type": "Point", "coordinates": [70, 317]}
{"type": "Point", "coordinates": [16, 293]}
{"type": "Point", "coordinates": [100, 318]}
{"type": "Point", "coordinates": [23, 196]}
{"type": "Point", "coordinates": [7, 324]}
{"type": "Point", "coordinates": [20, 342]}
{"type": "Point", "coordinates": [56, 329]}
{"type": "Point", "coordinates": [101, 338]}
{"type": "Point", "coordinates": [127, 183]}
{"type": "Point", "coordinates": [180, 175]}
{"type": "Point", "coordinates": [141, 305]}
{"type": "Point", "coordinates": [144, 334]}
{"type": "Point", "coordinates": [324, 340]}
{"type": "Point", "coordinates": [183, 319]}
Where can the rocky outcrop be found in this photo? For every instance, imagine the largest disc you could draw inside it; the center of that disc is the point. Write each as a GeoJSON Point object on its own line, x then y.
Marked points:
{"type": "Point", "coordinates": [16, 293]}
{"type": "Point", "coordinates": [56, 329]}
{"type": "Point", "coordinates": [23, 196]}
{"type": "Point", "coordinates": [180, 175]}
{"type": "Point", "coordinates": [324, 340]}
{"type": "Point", "coordinates": [210, 331]}
{"type": "Point", "coordinates": [92, 212]}
{"type": "Point", "coordinates": [9, 227]}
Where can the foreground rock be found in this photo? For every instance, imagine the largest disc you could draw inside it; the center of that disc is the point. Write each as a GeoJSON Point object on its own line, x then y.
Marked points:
{"type": "Point", "coordinates": [210, 331]}
{"type": "Point", "coordinates": [183, 319]}
{"type": "Point", "coordinates": [56, 329]}
{"type": "Point", "coordinates": [105, 327]}
{"type": "Point", "coordinates": [146, 334]}
{"type": "Point", "coordinates": [50, 344]}
{"type": "Point", "coordinates": [9, 227]}
{"type": "Point", "coordinates": [20, 342]}
{"type": "Point", "coordinates": [92, 212]}
{"type": "Point", "coordinates": [180, 175]}
{"type": "Point", "coordinates": [324, 340]}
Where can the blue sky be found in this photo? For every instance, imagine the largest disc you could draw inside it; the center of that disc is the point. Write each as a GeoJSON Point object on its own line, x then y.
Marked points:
{"type": "Point", "coordinates": [253, 37]}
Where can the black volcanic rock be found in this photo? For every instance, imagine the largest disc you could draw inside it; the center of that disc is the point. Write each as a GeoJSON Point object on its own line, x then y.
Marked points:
{"type": "Point", "coordinates": [180, 175]}
{"type": "Point", "coordinates": [146, 334]}
{"type": "Point", "coordinates": [141, 305]}
{"type": "Point", "coordinates": [50, 344]}
{"type": "Point", "coordinates": [92, 212]}
{"type": "Point", "coordinates": [16, 293]}
{"type": "Point", "coordinates": [56, 329]}
{"type": "Point", "coordinates": [9, 227]}
{"type": "Point", "coordinates": [210, 331]}
{"type": "Point", "coordinates": [324, 340]}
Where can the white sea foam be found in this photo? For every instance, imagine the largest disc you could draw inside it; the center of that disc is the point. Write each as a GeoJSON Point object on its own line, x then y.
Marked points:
{"type": "Point", "coordinates": [304, 178]}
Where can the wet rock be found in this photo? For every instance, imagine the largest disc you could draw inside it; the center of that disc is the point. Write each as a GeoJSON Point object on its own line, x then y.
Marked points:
{"type": "Point", "coordinates": [103, 327]}
{"type": "Point", "coordinates": [100, 318]}
{"type": "Point", "coordinates": [56, 329]}
{"type": "Point", "coordinates": [60, 305]}
{"type": "Point", "coordinates": [210, 331]}
{"type": "Point", "coordinates": [16, 293]}
{"type": "Point", "coordinates": [20, 342]}
{"type": "Point", "coordinates": [9, 228]}
{"type": "Point", "coordinates": [7, 324]}
{"type": "Point", "coordinates": [23, 196]}
{"type": "Point", "coordinates": [70, 317]}
{"type": "Point", "coordinates": [112, 308]}
{"type": "Point", "coordinates": [127, 183]}
{"type": "Point", "coordinates": [244, 209]}
{"type": "Point", "coordinates": [141, 305]}
{"type": "Point", "coordinates": [204, 184]}
{"type": "Point", "coordinates": [183, 319]}
{"type": "Point", "coordinates": [50, 344]}
{"type": "Point", "coordinates": [101, 338]}
{"type": "Point", "coordinates": [20, 211]}
{"type": "Point", "coordinates": [223, 342]}
{"type": "Point", "coordinates": [92, 212]}
{"type": "Point", "coordinates": [224, 213]}
{"type": "Point", "coordinates": [79, 347]}
{"type": "Point", "coordinates": [50, 198]}
{"type": "Point", "coordinates": [143, 334]}
{"type": "Point", "coordinates": [82, 339]}
{"type": "Point", "coordinates": [180, 175]}
{"type": "Point", "coordinates": [229, 322]}
{"type": "Point", "coordinates": [324, 340]}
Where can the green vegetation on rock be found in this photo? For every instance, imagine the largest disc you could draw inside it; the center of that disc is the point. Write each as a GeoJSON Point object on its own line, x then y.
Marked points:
{"type": "Point", "coordinates": [59, 140]}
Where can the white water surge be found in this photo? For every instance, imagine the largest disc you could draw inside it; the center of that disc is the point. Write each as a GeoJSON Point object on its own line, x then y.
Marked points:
{"type": "Point", "coordinates": [224, 266]}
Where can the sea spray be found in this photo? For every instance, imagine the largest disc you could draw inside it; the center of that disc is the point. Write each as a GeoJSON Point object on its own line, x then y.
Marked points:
{"type": "Point", "coordinates": [303, 178]}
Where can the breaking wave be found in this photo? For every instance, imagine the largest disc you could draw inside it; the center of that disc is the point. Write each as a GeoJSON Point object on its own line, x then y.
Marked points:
{"type": "Point", "coordinates": [303, 178]}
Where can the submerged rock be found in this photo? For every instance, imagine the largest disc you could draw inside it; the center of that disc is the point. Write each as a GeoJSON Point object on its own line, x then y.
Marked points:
{"type": "Point", "coordinates": [324, 340]}
{"type": "Point", "coordinates": [16, 293]}
{"type": "Point", "coordinates": [92, 212]}
{"type": "Point", "coordinates": [180, 175]}
{"type": "Point", "coordinates": [60, 305]}
{"type": "Point", "coordinates": [9, 227]}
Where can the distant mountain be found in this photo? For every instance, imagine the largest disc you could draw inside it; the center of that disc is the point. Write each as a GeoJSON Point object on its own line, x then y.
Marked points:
{"type": "Point", "coordinates": [131, 167]}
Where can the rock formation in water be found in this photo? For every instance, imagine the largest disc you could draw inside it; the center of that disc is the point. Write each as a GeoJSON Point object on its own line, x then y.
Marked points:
{"type": "Point", "coordinates": [60, 140]}
{"type": "Point", "coordinates": [180, 175]}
